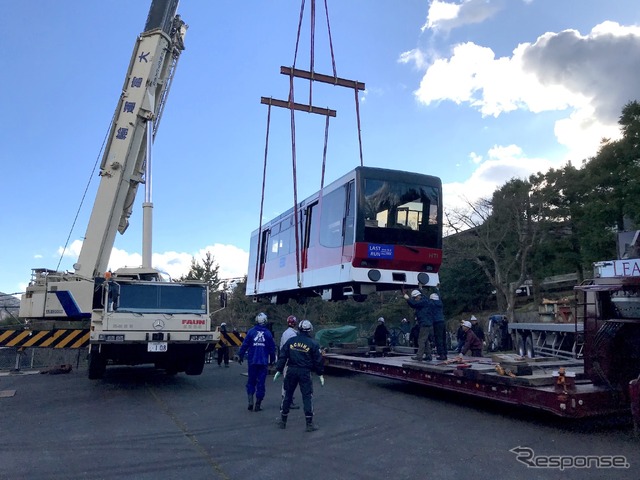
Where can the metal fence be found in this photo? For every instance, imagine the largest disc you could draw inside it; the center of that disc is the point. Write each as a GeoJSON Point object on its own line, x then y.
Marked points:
{"type": "Point", "coordinates": [39, 358]}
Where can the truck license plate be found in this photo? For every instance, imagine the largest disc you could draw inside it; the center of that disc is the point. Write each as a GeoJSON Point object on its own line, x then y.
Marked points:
{"type": "Point", "coordinates": [157, 347]}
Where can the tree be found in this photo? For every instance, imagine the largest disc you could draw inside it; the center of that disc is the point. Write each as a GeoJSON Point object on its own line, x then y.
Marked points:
{"type": "Point", "coordinates": [501, 233]}
{"type": "Point", "coordinates": [207, 272]}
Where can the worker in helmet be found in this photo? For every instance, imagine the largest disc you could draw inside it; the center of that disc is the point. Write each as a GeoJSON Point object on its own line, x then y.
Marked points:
{"type": "Point", "coordinates": [301, 354]}
{"type": "Point", "coordinates": [436, 311]}
{"type": "Point", "coordinates": [292, 323]}
{"type": "Point", "coordinates": [261, 351]}
{"type": "Point", "coordinates": [477, 328]}
{"type": "Point", "coordinates": [422, 306]}
{"type": "Point", "coordinates": [223, 346]}
{"type": "Point", "coordinates": [381, 334]}
{"type": "Point", "coordinates": [471, 342]}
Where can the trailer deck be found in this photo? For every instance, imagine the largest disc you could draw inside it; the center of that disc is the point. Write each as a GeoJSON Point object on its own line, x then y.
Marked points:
{"type": "Point", "coordinates": [535, 383]}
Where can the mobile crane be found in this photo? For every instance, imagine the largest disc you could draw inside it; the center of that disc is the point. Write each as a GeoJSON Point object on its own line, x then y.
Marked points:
{"type": "Point", "coordinates": [134, 315]}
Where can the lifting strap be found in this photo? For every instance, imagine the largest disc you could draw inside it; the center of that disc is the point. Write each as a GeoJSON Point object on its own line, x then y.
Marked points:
{"type": "Point", "coordinates": [259, 245]}
{"type": "Point", "coordinates": [309, 108]}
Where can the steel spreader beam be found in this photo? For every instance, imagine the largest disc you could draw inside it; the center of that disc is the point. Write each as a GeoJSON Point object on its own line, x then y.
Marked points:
{"type": "Point", "coordinates": [298, 106]}
{"type": "Point", "coordinates": [318, 77]}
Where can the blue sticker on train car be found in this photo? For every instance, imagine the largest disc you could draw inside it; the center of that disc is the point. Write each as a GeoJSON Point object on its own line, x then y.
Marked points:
{"type": "Point", "coordinates": [380, 251]}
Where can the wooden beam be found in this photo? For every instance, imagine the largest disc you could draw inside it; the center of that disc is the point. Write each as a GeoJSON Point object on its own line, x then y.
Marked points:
{"type": "Point", "coordinates": [298, 106]}
{"type": "Point", "coordinates": [318, 77]}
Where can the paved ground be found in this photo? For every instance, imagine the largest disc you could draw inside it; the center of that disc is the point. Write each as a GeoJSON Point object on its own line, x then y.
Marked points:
{"type": "Point", "coordinates": [139, 423]}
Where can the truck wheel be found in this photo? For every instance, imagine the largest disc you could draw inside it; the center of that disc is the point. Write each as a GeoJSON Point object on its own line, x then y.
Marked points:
{"type": "Point", "coordinates": [520, 346]}
{"type": "Point", "coordinates": [97, 366]}
{"type": "Point", "coordinates": [528, 347]}
{"type": "Point", "coordinates": [195, 364]}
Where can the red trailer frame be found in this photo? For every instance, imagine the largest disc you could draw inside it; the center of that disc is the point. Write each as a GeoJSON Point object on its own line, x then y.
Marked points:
{"type": "Point", "coordinates": [573, 399]}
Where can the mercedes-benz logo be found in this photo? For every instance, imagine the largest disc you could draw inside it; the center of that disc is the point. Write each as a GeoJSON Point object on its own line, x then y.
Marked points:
{"type": "Point", "coordinates": [158, 324]}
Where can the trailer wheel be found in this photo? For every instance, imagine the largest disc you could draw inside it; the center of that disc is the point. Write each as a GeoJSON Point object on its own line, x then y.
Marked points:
{"type": "Point", "coordinates": [97, 365]}
{"type": "Point", "coordinates": [495, 338]}
{"type": "Point", "coordinates": [528, 346]}
{"type": "Point", "coordinates": [520, 346]}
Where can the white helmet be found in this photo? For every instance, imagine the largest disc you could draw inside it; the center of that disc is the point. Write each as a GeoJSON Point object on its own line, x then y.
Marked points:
{"type": "Point", "coordinates": [261, 318]}
{"type": "Point", "coordinates": [381, 320]}
{"type": "Point", "coordinates": [305, 326]}
{"type": "Point", "coordinates": [416, 293]}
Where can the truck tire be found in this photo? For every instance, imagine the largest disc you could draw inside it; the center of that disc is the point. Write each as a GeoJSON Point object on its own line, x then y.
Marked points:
{"type": "Point", "coordinates": [97, 366]}
{"type": "Point", "coordinates": [195, 364]}
{"type": "Point", "coordinates": [528, 347]}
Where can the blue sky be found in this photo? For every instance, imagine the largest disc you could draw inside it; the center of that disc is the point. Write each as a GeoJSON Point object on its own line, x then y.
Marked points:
{"type": "Point", "coordinates": [475, 92]}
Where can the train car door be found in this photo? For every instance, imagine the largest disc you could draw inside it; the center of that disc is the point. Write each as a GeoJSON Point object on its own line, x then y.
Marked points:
{"type": "Point", "coordinates": [264, 250]}
{"type": "Point", "coordinates": [310, 233]}
{"type": "Point", "coordinates": [349, 223]}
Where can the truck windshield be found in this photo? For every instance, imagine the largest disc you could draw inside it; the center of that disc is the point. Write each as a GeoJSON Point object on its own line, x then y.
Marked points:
{"type": "Point", "coordinates": [156, 297]}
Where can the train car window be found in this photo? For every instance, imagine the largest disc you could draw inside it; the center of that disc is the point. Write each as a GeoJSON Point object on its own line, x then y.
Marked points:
{"type": "Point", "coordinates": [332, 214]}
{"type": "Point", "coordinates": [401, 213]}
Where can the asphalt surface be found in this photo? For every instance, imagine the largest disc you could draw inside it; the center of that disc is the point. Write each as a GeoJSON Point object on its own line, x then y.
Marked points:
{"type": "Point", "coordinates": [142, 424]}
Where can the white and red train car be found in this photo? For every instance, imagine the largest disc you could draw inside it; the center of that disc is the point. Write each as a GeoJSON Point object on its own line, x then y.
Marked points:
{"type": "Point", "coordinates": [372, 230]}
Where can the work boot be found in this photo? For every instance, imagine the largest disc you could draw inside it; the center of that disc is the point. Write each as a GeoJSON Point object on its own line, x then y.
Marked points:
{"type": "Point", "coordinates": [441, 357]}
{"type": "Point", "coordinates": [310, 426]}
{"type": "Point", "coordinates": [416, 359]}
{"type": "Point", "coordinates": [282, 423]}
{"type": "Point", "coordinates": [250, 407]}
{"type": "Point", "coordinates": [258, 406]}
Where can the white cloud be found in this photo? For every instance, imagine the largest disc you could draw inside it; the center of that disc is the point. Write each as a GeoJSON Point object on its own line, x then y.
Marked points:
{"type": "Point", "coordinates": [447, 15]}
{"type": "Point", "coordinates": [503, 164]}
{"type": "Point", "coordinates": [415, 56]}
{"type": "Point", "coordinates": [233, 261]}
{"type": "Point", "coordinates": [591, 77]}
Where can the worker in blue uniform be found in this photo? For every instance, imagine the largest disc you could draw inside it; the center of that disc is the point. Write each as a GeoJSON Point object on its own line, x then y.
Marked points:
{"type": "Point", "coordinates": [261, 352]}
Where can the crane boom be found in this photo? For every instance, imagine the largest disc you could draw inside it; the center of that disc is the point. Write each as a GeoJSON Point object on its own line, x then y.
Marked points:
{"type": "Point", "coordinates": [64, 295]}
{"type": "Point", "coordinates": [132, 316]}
{"type": "Point", "coordinates": [122, 168]}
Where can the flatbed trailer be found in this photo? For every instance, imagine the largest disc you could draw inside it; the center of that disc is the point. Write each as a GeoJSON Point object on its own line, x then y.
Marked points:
{"type": "Point", "coordinates": [570, 395]}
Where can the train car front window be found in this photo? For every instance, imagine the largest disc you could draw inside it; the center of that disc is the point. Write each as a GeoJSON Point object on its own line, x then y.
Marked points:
{"type": "Point", "coordinates": [401, 213]}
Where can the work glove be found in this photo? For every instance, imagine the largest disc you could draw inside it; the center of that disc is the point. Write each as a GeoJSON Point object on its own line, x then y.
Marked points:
{"type": "Point", "coordinates": [276, 376]}
{"type": "Point", "coordinates": [406, 297]}
{"type": "Point", "coordinates": [322, 380]}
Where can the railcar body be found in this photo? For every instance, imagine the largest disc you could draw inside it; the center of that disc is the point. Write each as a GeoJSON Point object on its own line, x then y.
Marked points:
{"type": "Point", "coordinates": [372, 230]}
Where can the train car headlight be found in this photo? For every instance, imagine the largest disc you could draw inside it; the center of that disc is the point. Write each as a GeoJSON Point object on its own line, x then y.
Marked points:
{"type": "Point", "coordinates": [423, 278]}
{"type": "Point", "coordinates": [374, 275]}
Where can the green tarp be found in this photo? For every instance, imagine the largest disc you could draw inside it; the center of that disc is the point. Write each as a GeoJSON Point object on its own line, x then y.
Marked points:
{"type": "Point", "coordinates": [329, 337]}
